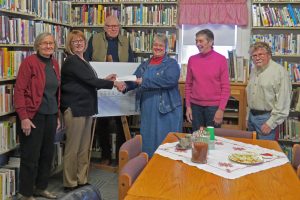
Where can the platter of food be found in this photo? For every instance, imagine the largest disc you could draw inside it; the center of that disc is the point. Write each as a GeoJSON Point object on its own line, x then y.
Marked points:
{"type": "Point", "coordinates": [247, 158]}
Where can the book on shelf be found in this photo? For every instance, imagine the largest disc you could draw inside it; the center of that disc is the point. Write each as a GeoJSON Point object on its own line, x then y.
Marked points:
{"type": "Point", "coordinates": [8, 134]}
{"type": "Point", "coordinates": [289, 130]}
{"type": "Point", "coordinates": [275, 15]}
{"type": "Point", "coordinates": [238, 67]}
{"type": "Point", "coordinates": [93, 14]}
{"type": "Point", "coordinates": [295, 100]}
{"type": "Point", "coordinates": [7, 183]}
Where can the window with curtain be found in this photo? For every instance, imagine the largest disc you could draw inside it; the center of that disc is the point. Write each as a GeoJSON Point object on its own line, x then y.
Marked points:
{"type": "Point", "coordinates": [213, 12]}
{"type": "Point", "coordinates": [225, 39]}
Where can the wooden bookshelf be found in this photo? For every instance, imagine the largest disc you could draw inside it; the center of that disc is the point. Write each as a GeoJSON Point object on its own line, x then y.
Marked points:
{"type": "Point", "coordinates": [231, 120]}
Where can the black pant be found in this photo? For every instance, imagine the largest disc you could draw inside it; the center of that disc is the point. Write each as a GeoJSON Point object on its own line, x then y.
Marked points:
{"type": "Point", "coordinates": [105, 126]}
{"type": "Point", "coordinates": [37, 153]}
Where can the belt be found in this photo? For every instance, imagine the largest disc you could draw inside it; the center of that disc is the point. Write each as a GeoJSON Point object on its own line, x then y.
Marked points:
{"type": "Point", "coordinates": [259, 112]}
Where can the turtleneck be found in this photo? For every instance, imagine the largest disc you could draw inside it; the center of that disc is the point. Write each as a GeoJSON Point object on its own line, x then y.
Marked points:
{"type": "Point", "coordinates": [156, 60]}
{"type": "Point", "coordinates": [207, 53]}
{"type": "Point", "coordinates": [44, 59]}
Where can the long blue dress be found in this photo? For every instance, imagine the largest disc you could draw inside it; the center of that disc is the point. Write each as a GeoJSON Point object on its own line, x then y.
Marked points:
{"type": "Point", "coordinates": [160, 102]}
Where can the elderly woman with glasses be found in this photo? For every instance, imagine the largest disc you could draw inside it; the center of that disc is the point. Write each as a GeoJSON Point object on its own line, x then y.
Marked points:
{"type": "Point", "coordinates": [78, 103]}
{"type": "Point", "coordinates": [157, 95]}
{"type": "Point", "coordinates": [36, 97]}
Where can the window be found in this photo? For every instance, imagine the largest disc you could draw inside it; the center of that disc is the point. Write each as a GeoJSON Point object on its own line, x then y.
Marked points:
{"type": "Point", "coordinates": [225, 39]}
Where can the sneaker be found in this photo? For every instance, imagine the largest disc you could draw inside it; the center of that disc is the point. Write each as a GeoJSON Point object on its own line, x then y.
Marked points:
{"type": "Point", "coordinates": [45, 194]}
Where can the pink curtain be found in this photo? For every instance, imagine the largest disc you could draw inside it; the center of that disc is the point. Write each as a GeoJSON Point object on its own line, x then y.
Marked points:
{"type": "Point", "coordinates": [196, 12]}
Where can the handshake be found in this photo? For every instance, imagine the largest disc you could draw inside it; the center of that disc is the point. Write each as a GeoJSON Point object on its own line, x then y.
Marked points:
{"type": "Point", "coordinates": [121, 85]}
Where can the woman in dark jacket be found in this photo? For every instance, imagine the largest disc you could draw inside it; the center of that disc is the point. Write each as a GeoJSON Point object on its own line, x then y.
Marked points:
{"type": "Point", "coordinates": [78, 103]}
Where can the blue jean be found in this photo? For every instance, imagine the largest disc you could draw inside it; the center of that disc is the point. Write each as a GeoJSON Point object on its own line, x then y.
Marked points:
{"type": "Point", "coordinates": [256, 121]}
{"type": "Point", "coordinates": [203, 116]}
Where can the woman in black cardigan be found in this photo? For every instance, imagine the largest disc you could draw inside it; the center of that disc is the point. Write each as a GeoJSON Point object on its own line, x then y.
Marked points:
{"type": "Point", "coordinates": [79, 85]}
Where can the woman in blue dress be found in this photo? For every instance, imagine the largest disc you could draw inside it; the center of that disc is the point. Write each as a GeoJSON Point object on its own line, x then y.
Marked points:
{"type": "Point", "coordinates": [157, 96]}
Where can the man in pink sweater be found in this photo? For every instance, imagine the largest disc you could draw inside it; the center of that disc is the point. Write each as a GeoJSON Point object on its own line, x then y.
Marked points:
{"type": "Point", "coordinates": [207, 86]}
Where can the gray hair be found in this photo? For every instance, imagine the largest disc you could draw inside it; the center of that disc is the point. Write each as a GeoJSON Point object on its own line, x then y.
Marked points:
{"type": "Point", "coordinates": [162, 38]}
{"type": "Point", "coordinates": [260, 45]}
{"type": "Point", "coordinates": [39, 39]}
{"type": "Point", "coordinates": [208, 33]}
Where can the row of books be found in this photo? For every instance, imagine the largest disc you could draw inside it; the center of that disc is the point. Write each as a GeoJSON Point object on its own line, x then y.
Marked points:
{"type": "Point", "coordinates": [8, 134]}
{"type": "Point", "coordinates": [141, 41]}
{"type": "Point", "coordinates": [93, 14]}
{"type": "Point", "coordinates": [60, 32]}
{"type": "Point", "coordinates": [290, 129]}
{"type": "Point", "coordinates": [7, 183]}
{"type": "Point", "coordinates": [150, 15]}
{"type": "Point", "coordinates": [281, 44]}
{"type": "Point", "coordinates": [238, 67]}
{"type": "Point", "coordinates": [23, 32]}
{"type": "Point", "coordinates": [6, 98]}
{"type": "Point", "coordinates": [57, 11]}
{"type": "Point", "coordinates": [9, 178]}
{"type": "Point", "coordinates": [286, 16]}
{"type": "Point", "coordinates": [293, 70]}
{"type": "Point", "coordinates": [10, 62]}
{"type": "Point", "coordinates": [295, 100]}
{"type": "Point", "coordinates": [16, 30]}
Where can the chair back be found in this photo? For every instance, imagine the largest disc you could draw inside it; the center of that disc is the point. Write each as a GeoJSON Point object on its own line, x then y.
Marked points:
{"type": "Point", "coordinates": [223, 132]}
{"type": "Point", "coordinates": [130, 172]}
{"type": "Point", "coordinates": [130, 149]}
{"type": "Point", "coordinates": [296, 158]}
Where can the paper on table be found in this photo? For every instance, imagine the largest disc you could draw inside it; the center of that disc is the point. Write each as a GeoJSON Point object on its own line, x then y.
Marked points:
{"type": "Point", "coordinates": [126, 78]}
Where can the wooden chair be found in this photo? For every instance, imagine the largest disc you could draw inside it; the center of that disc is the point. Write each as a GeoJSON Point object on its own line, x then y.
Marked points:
{"type": "Point", "coordinates": [130, 172]}
{"type": "Point", "coordinates": [296, 158]}
{"type": "Point", "coordinates": [235, 133]}
{"type": "Point", "coordinates": [130, 149]}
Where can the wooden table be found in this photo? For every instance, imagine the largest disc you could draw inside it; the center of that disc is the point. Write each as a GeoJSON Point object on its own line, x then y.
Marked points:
{"type": "Point", "coordinates": [164, 178]}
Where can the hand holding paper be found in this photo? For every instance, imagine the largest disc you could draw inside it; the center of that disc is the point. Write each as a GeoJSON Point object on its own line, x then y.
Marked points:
{"type": "Point", "coordinates": [126, 78]}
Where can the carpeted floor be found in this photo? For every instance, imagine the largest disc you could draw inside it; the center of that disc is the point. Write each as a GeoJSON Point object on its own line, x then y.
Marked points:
{"type": "Point", "coordinates": [107, 182]}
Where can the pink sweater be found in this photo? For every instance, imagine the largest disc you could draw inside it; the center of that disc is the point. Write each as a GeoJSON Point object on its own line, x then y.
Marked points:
{"type": "Point", "coordinates": [207, 80]}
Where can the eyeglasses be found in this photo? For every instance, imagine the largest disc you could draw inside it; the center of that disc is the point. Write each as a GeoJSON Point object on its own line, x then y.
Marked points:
{"type": "Point", "coordinates": [78, 42]}
{"type": "Point", "coordinates": [260, 55]}
{"type": "Point", "coordinates": [47, 43]}
{"type": "Point", "coordinates": [112, 26]}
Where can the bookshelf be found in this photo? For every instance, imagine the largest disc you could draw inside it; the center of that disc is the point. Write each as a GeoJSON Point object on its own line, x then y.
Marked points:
{"type": "Point", "coordinates": [278, 23]}
{"type": "Point", "coordinates": [235, 111]}
{"type": "Point", "coordinates": [140, 20]}
{"type": "Point", "coordinates": [20, 23]}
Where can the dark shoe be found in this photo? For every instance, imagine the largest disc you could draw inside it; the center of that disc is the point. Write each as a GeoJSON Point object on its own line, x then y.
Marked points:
{"type": "Point", "coordinates": [82, 185]}
{"type": "Point", "coordinates": [69, 189]}
{"type": "Point", "coordinates": [45, 194]}
{"type": "Point", "coordinates": [27, 198]}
